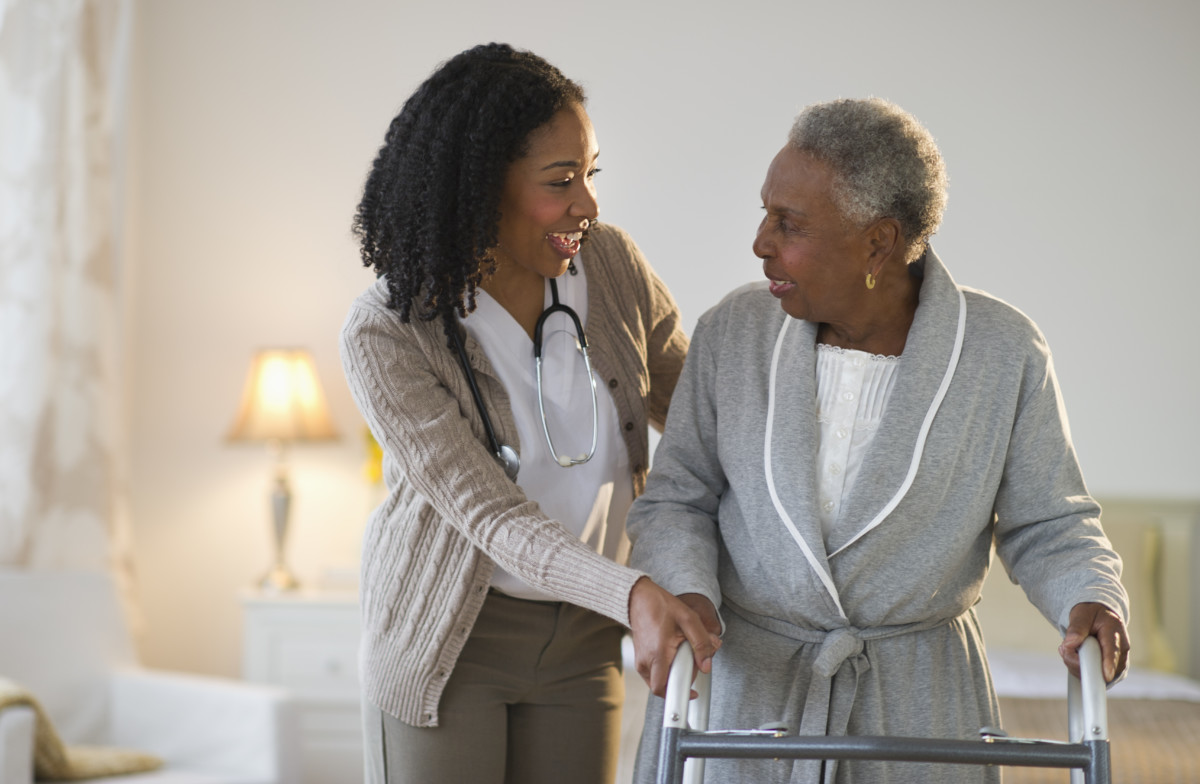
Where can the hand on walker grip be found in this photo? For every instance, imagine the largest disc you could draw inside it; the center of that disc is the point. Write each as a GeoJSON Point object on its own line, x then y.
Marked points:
{"type": "Point", "coordinates": [1091, 619]}
{"type": "Point", "coordinates": [660, 622]}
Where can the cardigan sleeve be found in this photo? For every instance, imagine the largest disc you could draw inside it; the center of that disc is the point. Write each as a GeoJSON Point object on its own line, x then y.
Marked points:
{"type": "Point", "coordinates": [673, 525]}
{"type": "Point", "coordinates": [666, 346]}
{"type": "Point", "coordinates": [649, 319]}
{"type": "Point", "coordinates": [1048, 532]}
{"type": "Point", "coordinates": [424, 428]}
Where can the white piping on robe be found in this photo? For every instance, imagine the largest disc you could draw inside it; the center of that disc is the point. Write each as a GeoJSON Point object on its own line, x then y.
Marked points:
{"type": "Point", "coordinates": [826, 577]}
{"type": "Point", "coordinates": [918, 450]}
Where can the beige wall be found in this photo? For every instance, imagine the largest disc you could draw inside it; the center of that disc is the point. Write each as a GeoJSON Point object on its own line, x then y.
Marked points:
{"type": "Point", "coordinates": [1067, 129]}
{"type": "Point", "coordinates": [1159, 543]}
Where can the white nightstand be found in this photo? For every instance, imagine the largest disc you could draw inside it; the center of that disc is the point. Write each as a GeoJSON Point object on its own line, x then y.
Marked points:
{"type": "Point", "coordinates": [307, 642]}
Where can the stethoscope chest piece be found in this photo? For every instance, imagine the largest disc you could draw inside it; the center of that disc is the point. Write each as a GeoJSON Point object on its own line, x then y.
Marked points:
{"type": "Point", "coordinates": [507, 457]}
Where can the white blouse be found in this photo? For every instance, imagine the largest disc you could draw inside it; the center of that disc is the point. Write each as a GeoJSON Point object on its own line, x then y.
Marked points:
{"type": "Point", "coordinates": [590, 499]}
{"type": "Point", "coordinates": [853, 388]}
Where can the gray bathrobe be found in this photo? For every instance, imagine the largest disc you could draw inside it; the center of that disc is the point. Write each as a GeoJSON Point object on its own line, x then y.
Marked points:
{"type": "Point", "coordinates": [875, 633]}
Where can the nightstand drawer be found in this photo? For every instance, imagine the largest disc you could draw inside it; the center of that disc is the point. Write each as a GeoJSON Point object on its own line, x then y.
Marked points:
{"type": "Point", "coordinates": [330, 721]}
{"type": "Point", "coordinates": [307, 643]}
{"type": "Point", "coordinates": [304, 644]}
{"type": "Point", "coordinates": [316, 667]}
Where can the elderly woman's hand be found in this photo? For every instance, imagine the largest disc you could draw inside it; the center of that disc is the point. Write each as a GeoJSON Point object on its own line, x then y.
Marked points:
{"type": "Point", "coordinates": [660, 622]}
{"type": "Point", "coordinates": [705, 609]}
{"type": "Point", "coordinates": [1091, 619]}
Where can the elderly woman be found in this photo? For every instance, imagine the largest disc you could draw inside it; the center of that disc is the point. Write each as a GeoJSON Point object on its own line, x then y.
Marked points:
{"type": "Point", "coordinates": [837, 467]}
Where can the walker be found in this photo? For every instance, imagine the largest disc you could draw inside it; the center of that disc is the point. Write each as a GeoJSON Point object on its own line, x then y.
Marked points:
{"type": "Point", "coordinates": [686, 741]}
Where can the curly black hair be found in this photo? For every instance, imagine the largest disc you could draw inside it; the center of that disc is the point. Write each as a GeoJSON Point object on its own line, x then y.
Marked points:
{"type": "Point", "coordinates": [430, 208]}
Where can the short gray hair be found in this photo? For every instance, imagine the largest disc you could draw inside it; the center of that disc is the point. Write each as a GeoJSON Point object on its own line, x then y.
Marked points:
{"type": "Point", "coordinates": [885, 164]}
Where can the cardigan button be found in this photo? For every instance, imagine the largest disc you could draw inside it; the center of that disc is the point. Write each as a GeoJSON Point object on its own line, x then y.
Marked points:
{"type": "Point", "coordinates": [612, 383]}
{"type": "Point", "coordinates": [629, 426]}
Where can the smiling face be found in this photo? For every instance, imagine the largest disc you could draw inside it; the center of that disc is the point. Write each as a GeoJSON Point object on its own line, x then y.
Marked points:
{"type": "Point", "coordinates": [549, 198]}
{"type": "Point", "coordinates": [815, 259]}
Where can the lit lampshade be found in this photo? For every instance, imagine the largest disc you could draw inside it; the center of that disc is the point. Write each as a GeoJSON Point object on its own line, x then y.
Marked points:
{"type": "Point", "coordinates": [282, 400]}
{"type": "Point", "coordinates": [282, 403]}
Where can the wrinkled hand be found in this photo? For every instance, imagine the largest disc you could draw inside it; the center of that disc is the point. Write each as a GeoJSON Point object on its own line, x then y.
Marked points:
{"type": "Point", "coordinates": [660, 622]}
{"type": "Point", "coordinates": [1092, 619]}
{"type": "Point", "coordinates": [701, 605]}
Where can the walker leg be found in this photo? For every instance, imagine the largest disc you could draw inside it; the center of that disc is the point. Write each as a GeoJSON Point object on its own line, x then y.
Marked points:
{"type": "Point", "coordinates": [670, 766]}
{"type": "Point", "coordinates": [1099, 772]}
{"type": "Point", "coordinates": [693, 768]}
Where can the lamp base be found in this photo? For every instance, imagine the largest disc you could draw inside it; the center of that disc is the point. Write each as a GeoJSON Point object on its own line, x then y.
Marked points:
{"type": "Point", "coordinates": [279, 579]}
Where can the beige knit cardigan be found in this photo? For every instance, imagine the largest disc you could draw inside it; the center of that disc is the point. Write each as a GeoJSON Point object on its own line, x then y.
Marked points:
{"type": "Point", "coordinates": [451, 514]}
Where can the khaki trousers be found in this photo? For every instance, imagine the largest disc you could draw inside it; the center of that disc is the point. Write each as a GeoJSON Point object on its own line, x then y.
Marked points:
{"type": "Point", "coordinates": [535, 698]}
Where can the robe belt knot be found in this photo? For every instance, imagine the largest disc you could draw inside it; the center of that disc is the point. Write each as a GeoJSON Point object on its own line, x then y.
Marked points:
{"type": "Point", "coordinates": [838, 646]}
{"type": "Point", "coordinates": [840, 661]}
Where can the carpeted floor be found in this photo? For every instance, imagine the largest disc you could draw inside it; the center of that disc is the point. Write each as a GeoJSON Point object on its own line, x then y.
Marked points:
{"type": "Point", "coordinates": [1151, 741]}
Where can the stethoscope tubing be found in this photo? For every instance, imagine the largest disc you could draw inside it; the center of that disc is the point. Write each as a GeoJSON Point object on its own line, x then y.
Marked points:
{"type": "Point", "coordinates": [504, 454]}
{"type": "Point", "coordinates": [493, 442]}
{"type": "Point", "coordinates": [564, 460]}
{"type": "Point", "coordinates": [558, 307]}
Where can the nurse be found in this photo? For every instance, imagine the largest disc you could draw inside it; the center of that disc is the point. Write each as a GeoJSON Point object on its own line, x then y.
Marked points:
{"type": "Point", "coordinates": [493, 593]}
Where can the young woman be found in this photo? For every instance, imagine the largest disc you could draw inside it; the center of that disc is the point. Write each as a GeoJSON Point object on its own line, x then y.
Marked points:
{"type": "Point", "coordinates": [508, 359]}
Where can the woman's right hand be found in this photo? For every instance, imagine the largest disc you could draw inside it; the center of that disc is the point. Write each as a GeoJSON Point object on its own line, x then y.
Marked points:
{"type": "Point", "coordinates": [660, 622]}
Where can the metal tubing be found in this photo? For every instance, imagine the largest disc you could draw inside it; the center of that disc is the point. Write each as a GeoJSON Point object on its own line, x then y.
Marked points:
{"type": "Point", "coordinates": [1087, 708]}
{"type": "Point", "coordinates": [1099, 772]}
{"type": "Point", "coordinates": [1050, 755]}
{"type": "Point", "coordinates": [1088, 754]}
{"type": "Point", "coordinates": [670, 761]}
{"type": "Point", "coordinates": [693, 769]}
{"type": "Point", "coordinates": [1091, 676]}
{"type": "Point", "coordinates": [679, 688]}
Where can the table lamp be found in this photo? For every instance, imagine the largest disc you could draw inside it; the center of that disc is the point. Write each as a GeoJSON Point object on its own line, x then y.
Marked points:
{"type": "Point", "coordinates": [282, 403]}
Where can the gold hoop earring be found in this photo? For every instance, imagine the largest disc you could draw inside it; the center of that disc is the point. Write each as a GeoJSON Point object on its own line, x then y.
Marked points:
{"type": "Point", "coordinates": [870, 281]}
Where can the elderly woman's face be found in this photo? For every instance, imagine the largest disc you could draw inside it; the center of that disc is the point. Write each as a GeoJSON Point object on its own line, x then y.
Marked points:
{"type": "Point", "coordinates": [816, 261]}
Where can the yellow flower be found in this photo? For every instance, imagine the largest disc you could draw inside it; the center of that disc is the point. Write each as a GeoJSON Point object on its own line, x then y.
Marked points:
{"type": "Point", "coordinates": [373, 465]}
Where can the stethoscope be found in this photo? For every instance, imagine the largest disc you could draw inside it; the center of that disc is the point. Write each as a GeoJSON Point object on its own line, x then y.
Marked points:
{"type": "Point", "coordinates": [505, 454]}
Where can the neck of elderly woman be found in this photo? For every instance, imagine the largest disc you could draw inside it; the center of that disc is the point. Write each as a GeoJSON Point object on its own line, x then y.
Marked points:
{"type": "Point", "coordinates": [881, 316]}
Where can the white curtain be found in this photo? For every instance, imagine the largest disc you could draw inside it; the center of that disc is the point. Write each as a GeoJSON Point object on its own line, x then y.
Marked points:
{"type": "Point", "coordinates": [63, 74]}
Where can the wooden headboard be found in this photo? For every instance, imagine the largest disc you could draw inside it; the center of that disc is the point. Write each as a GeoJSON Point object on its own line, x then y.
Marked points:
{"type": "Point", "coordinates": [1159, 542]}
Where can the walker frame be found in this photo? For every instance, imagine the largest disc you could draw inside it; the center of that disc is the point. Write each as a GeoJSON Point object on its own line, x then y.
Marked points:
{"type": "Point", "coordinates": [686, 741]}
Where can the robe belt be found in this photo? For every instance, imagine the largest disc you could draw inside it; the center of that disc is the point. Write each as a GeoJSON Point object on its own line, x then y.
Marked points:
{"type": "Point", "coordinates": [833, 687]}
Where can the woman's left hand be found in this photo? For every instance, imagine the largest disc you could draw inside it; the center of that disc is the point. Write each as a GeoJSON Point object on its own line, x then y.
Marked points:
{"type": "Point", "coordinates": [1092, 619]}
